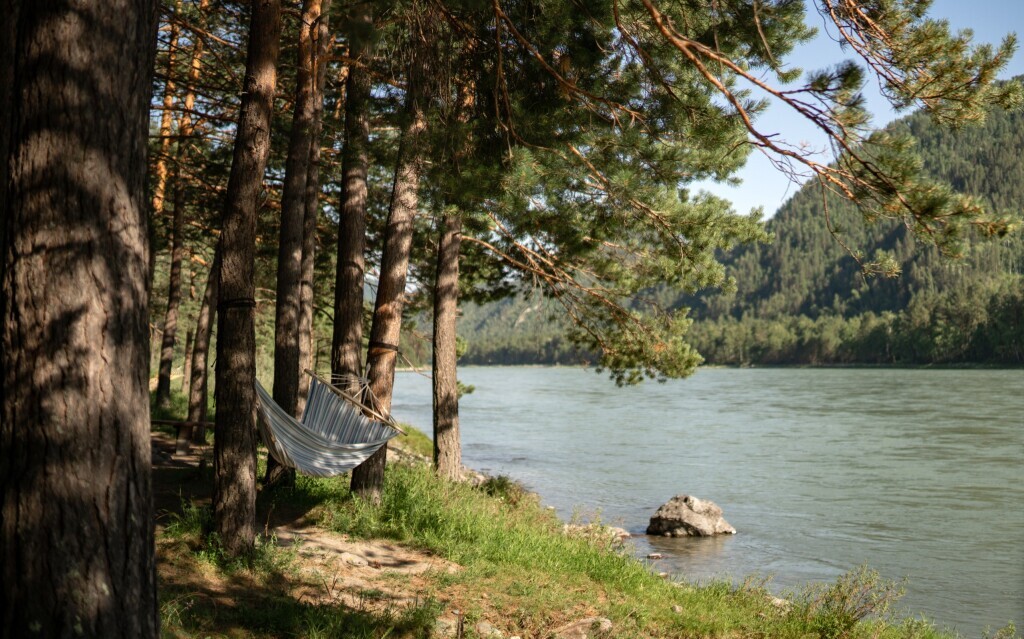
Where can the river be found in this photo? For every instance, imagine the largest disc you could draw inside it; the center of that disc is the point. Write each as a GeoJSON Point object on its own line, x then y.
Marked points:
{"type": "Point", "coordinates": [917, 473]}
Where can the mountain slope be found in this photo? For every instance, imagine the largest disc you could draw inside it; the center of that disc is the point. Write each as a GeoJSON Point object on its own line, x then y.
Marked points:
{"type": "Point", "coordinates": [803, 299]}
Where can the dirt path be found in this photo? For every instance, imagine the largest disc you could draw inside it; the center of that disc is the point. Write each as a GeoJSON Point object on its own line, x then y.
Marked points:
{"type": "Point", "coordinates": [332, 568]}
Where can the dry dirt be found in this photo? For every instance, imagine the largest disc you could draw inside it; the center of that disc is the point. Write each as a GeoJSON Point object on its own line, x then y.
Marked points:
{"type": "Point", "coordinates": [328, 568]}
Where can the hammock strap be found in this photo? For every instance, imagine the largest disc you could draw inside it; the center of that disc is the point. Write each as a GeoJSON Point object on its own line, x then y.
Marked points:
{"type": "Point", "coordinates": [383, 346]}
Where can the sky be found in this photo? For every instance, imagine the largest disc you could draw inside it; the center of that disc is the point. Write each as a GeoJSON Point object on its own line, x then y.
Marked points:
{"type": "Point", "coordinates": [763, 185]}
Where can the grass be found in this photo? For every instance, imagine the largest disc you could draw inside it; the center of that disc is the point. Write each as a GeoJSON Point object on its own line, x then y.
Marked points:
{"type": "Point", "coordinates": [519, 571]}
{"type": "Point", "coordinates": [535, 578]}
{"type": "Point", "coordinates": [415, 441]}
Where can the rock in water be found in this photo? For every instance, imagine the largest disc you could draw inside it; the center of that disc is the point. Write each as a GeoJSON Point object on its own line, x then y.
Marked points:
{"type": "Point", "coordinates": [688, 516]}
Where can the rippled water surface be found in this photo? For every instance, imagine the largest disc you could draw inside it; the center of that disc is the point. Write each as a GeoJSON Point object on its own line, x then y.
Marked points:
{"type": "Point", "coordinates": [917, 473]}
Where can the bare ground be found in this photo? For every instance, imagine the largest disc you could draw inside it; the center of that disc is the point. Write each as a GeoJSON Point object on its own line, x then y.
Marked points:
{"type": "Point", "coordinates": [327, 568]}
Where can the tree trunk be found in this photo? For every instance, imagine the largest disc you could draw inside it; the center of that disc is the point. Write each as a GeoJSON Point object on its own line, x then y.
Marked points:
{"type": "Point", "coordinates": [289, 254]}
{"type": "Point", "coordinates": [9, 9]}
{"type": "Point", "coordinates": [76, 514]}
{"type": "Point", "coordinates": [198, 384]}
{"type": "Point", "coordinates": [347, 341]}
{"type": "Point", "coordinates": [447, 448]}
{"type": "Point", "coordinates": [185, 130]}
{"type": "Point", "coordinates": [368, 477]}
{"type": "Point", "coordinates": [447, 444]}
{"type": "Point", "coordinates": [186, 373]}
{"type": "Point", "coordinates": [321, 52]}
{"type": "Point", "coordinates": [234, 451]}
{"type": "Point", "coordinates": [163, 387]}
{"type": "Point", "coordinates": [166, 119]}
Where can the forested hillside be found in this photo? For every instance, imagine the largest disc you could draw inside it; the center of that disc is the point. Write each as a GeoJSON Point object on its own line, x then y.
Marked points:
{"type": "Point", "coordinates": [803, 298]}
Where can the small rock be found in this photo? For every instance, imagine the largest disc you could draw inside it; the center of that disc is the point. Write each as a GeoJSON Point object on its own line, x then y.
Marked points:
{"type": "Point", "coordinates": [445, 627]}
{"type": "Point", "coordinates": [688, 516]}
{"type": "Point", "coordinates": [677, 609]}
{"type": "Point", "coordinates": [655, 555]}
{"type": "Point", "coordinates": [584, 629]}
{"type": "Point", "coordinates": [485, 629]}
{"type": "Point", "coordinates": [353, 560]}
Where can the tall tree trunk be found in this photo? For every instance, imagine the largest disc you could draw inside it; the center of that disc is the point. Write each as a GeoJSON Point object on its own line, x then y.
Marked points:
{"type": "Point", "coordinates": [7, 51]}
{"type": "Point", "coordinates": [76, 514]}
{"type": "Point", "coordinates": [347, 341]}
{"type": "Point", "coordinates": [368, 477]}
{"type": "Point", "coordinates": [289, 254]}
{"type": "Point", "coordinates": [166, 120]}
{"type": "Point", "coordinates": [198, 384]}
{"type": "Point", "coordinates": [321, 52]}
{"type": "Point", "coordinates": [163, 387]}
{"type": "Point", "coordinates": [447, 448]}
{"type": "Point", "coordinates": [234, 451]}
{"type": "Point", "coordinates": [185, 130]}
{"type": "Point", "coordinates": [447, 444]}
{"type": "Point", "coordinates": [186, 374]}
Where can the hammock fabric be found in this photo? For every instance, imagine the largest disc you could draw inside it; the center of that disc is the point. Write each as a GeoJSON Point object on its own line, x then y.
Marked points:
{"type": "Point", "coordinates": [333, 437]}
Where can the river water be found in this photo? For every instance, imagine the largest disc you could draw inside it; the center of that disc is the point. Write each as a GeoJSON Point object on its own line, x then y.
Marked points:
{"type": "Point", "coordinates": [917, 473]}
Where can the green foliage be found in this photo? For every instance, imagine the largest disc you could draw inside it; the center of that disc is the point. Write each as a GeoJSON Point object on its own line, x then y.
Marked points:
{"type": "Point", "coordinates": [1009, 631]}
{"type": "Point", "coordinates": [804, 299]}
{"type": "Point", "coordinates": [535, 576]}
{"type": "Point", "coordinates": [194, 525]}
{"type": "Point", "coordinates": [415, 441]}
{"type": "Point", "coordinates": [834, 610]}
{"type": "Point", "coordinates": [506, 489]}
{"type": "Point", "coordinates": [269, 613]}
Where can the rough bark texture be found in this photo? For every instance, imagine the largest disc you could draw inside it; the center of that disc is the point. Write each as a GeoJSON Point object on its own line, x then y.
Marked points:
{"type": "Point", "coordinates": [186, 374]}
{"type": "Point", "coordinates": [163, 387]}
{"type": "Point", "coordinates": [185, 130]}
{"type": "Point", "coordinates": [321, 52]}
{"type": "Point", "coordinates": [347, 341]}
{"type": "Point", "coordinates": [293, 200]}
{"type": "Point", "coordinates": [9, 9]}
{"type": "Point", "coordinates": [368, 477]}
{"type": "Point", "coordinates": [447, 448]}
{"type": "Point", "coordinates": [198, 384]}
{"type": "Point", "coordinates": [234, 457]}
{"type": "Point", "coordinates": [289, 253]}
{"type": "Point", "coordinates": [76, 519]}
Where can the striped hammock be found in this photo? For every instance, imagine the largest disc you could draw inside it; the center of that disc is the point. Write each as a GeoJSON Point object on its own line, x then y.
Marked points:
{"type": "Point", "coordinates": [333, 437]}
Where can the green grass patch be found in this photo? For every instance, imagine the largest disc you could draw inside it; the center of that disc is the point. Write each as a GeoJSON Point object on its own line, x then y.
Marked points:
{"type": "Point", "coordinates": [415, 441]}
{"type": "Point", "coordinates": [516, 552]}
{"type": "Point", "coordinates": [518, 570]}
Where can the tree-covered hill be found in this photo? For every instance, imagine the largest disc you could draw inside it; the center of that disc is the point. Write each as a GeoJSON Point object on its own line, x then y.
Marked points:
{"type": "Point", "coordinates": [804, 298]}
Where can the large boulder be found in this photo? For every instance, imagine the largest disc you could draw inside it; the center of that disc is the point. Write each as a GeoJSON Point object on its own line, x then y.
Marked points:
{"type": "Point", "coordinates": [688, 516]}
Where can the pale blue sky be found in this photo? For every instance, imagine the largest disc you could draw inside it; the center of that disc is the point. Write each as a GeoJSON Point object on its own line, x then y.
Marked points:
{"type": "Point", "coordinates": [763, 185]}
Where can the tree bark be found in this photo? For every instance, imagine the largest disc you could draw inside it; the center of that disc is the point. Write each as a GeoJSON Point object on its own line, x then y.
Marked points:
{"type": "Point", "coordinates": [447, 444]}
{"type": "Point", "coordinates": [347, 341]}
{"type": "Point", "coordinates": [186, 374]}
{"type": "Point", "coordinates": [76, 515]}
{"type": "Point", "coordinates": [289, 253]}
{"type": "Point", "coordinates": [368, 477]}
{"type": "Point", "coordinates": [198, 384]}
{"type": "Point", "coordinates": [163, 387]}
{"type": "Point", "coordinates": [234, 456]}
{"type": "Point", "coordinates": [447, 447]}
{"type": "Point", "coordinates": [321, 52]}
{"type": "Point", "coordinates": [7, 50]}
{"type": "Point", "coordinates": [186, 128]}
{"type": "Point", "coordinates": [166, 120]}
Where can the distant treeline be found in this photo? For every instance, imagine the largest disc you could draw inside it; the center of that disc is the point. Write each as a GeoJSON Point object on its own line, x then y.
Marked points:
{"type": "Point", "coordinates": [803, 298]}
